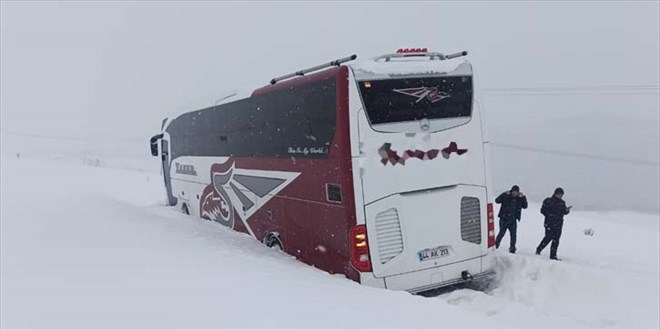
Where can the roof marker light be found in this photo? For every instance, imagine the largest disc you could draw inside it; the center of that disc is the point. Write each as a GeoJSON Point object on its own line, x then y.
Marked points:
{"type": "Point", "coordinates": [412, 50]}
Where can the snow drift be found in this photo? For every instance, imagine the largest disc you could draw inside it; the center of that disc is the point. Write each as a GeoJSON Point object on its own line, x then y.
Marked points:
{"type": "Point", "coordinates": [94, 246]}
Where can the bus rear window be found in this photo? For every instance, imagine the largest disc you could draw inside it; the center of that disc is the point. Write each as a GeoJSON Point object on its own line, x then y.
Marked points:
{"type": "Point", "coordinates": [411, 99]}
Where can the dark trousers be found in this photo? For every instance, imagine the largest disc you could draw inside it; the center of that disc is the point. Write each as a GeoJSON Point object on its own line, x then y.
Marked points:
{"type": "Point", "coordinates": [552, 234]}
{"type": "Point", "coordinates": [512, 226]}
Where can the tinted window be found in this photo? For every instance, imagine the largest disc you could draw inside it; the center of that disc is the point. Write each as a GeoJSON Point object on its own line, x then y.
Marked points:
{"type": "Point", "coordinates": [410, 99]}
{"type": "Point", "coordinates": [298, 122]}
{"type": "Point", "coordinates": [333, 192]}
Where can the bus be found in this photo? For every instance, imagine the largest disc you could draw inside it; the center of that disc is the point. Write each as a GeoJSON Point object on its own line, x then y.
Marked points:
{"type": "Point", "coordinates": [376, 170]}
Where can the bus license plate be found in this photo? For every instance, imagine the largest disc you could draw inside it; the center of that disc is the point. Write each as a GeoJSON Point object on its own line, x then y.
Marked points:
{"type": "Point", "coordinates": [434, 253]}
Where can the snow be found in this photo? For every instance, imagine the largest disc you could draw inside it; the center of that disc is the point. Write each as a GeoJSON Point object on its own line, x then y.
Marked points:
{"type": "Point", "coordinates": [606, 280]}
{"type": "Point", "coordinates": [94, 246]}
{"type": "Point", "coordinates": [372, 69]}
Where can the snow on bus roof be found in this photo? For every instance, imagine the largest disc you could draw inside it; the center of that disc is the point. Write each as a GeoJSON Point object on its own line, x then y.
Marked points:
{"type": "Point", "coordinates": [371, 69]}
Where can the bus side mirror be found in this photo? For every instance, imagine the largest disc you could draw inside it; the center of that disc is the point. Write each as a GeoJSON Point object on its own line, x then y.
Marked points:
{"type": "Point", "coordinates": [154, 149]}
{"type": "Point", "coordinates": [154, 144]}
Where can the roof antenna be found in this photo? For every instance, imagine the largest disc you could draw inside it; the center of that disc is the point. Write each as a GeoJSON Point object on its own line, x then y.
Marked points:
{"type": "Point", "coordinates": [224, 98]}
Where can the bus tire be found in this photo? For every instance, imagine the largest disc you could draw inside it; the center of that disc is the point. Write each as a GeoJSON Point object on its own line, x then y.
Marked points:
{"type": "Point", "coordinates": [273, 241]}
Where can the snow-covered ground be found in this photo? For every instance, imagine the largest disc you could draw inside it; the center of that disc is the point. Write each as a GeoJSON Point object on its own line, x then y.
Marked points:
{"type": "Point", "coordinates": [85, 246]}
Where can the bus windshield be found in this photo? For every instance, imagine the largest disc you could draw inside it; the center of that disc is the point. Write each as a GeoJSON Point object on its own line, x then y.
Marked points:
{"type": "Point", "coordinates": [411, 99]}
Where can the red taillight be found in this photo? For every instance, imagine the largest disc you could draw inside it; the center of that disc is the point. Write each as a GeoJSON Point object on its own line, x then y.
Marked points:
{"type": "Point", "coordinates": [491, 225]}
{"type": "Point", "coordinates": [360, 248]}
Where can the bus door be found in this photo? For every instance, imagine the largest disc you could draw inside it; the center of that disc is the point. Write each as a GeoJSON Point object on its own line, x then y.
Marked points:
{"type": "Point", "coordinates": [165, 158]}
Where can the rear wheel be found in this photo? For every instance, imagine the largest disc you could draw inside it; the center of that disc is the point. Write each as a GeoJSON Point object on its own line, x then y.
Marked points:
{"type": "Point", "coordinates": [273, 241]}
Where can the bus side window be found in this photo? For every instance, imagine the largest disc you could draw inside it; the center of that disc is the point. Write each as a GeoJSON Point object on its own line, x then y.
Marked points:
{"type": "Point", "coordinates": [333, 192]}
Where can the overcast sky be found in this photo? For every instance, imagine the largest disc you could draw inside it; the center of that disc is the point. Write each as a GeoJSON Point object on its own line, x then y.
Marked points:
{"type": "Point", "coordinates": [116, 68]}
{"type": "Point", "coordinates": [102, 75]}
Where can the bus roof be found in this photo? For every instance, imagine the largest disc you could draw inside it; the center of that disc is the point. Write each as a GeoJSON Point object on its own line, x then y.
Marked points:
{"type": "Point", "coordinates": [373, 69]}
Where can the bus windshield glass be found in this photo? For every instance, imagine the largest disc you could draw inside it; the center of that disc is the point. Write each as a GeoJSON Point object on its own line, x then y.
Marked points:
{"type": "Point", "coordinates": [411, 99]}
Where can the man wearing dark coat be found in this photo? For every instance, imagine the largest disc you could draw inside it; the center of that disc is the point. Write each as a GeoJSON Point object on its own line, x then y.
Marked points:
{"type": "Point", "coordinates": [512, 201]}
{"type": "Point", "coordinates": [554, 209]}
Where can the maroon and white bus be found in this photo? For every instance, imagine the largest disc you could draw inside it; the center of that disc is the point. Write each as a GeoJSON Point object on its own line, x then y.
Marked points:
{"type": "Point", "coordinates": [375, 170]}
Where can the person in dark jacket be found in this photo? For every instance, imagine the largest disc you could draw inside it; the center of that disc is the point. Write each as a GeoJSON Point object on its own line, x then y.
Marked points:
{"type": "Point", "coordinates": [513, 201]}
{"type": "Point", "coordinates": [554, 209]}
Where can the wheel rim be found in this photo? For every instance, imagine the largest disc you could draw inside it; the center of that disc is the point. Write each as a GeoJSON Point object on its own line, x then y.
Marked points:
{"type": "Point", "coordinates": [274, 243]}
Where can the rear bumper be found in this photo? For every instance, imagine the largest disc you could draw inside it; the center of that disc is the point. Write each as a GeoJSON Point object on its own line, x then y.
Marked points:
{"type": "Point", "coordinates": [437, 277]}
{"type": "Point", "coordinates": [480, 276]}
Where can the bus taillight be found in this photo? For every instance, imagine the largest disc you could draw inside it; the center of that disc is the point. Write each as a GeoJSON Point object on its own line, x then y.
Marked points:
{"type": "Point", "coordinates": [360, 248]}
{"type": "Point", "coordinates": [491, 225]}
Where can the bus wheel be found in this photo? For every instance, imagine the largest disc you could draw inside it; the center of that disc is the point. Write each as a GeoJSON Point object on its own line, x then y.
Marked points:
{"type": "Point", "coordinates": [184, 209]}
{"type": "Point", "coordinates": [273, 241]}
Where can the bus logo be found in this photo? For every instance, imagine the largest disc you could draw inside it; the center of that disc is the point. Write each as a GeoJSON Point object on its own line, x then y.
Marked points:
{"type": "Point", "coordinates": [430, 93]}
{"type": "Point", "coordinates": [235, 191]}
{"type": "Point", "coordinates": [185, 169]}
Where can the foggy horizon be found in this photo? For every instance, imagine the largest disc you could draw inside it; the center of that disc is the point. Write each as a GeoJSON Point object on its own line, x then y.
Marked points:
{"type": "Point", "coordinates": [570, 89]}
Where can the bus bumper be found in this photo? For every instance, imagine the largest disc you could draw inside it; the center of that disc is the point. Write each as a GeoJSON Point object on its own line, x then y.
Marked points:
{"type": "Point", "coordinates": [485, 276]}
{"type": "Point", "coordinates": [433, 278]}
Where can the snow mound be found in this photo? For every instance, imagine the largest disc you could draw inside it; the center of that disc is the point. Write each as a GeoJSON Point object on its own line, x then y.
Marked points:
{"type": "Point", "coordinates": [573, 293]}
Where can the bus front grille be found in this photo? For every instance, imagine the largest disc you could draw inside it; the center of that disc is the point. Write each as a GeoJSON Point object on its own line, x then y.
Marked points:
{"type": "Point", "coordinates": [388, 235]}
{"type": "Point", "coordinates": [471, 220]}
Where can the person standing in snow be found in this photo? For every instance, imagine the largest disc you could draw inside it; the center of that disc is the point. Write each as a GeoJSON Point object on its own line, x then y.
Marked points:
{"type": "Point", "coordinates": [554, 209]}
{"type": "Point", "coordinates": [513, 201]}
